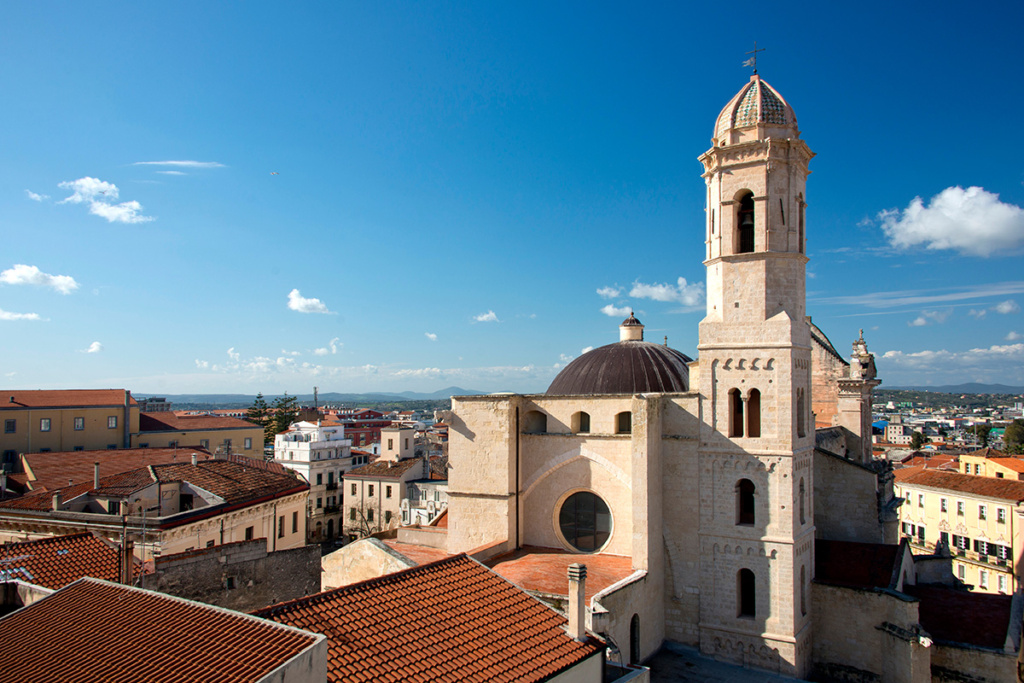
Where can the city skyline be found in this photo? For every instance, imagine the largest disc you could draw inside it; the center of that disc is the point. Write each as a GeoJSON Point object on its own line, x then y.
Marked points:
{"type": "Point", "coordinates": [400, 197]}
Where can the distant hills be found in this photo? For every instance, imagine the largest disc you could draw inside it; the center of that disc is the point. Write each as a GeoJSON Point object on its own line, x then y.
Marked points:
{"type": "Point", "coordinates": [307, 399]}
{"type": "Point", "coordinates": [968, 388]}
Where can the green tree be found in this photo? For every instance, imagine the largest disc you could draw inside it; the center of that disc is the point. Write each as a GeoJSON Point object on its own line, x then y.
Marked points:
{"type": "Point", "coordinates": [286, 409]}
{"type": "Point", "coordinates": [259, 413]}
{"type": "Point", "coordinates": [981, 431]}
{"type": "Point", "coordinates": [1013, 437]}
{"type": "Point", "coordinates": [917, 439]}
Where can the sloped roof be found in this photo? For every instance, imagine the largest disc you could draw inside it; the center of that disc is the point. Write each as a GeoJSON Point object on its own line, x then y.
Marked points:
{"type": "Point", "coordinates": [170, 422]}
{"type": "Point", "coordinates": [59, 560]}
{"type": "Point", "coordinates": [956, 616]}
{"type": "Point", "coordinates": [99, 631]}
{"type": "Point", "coordinates": [481, 628]}
{"type": "Point", "coordinates": [989, 487]}
{"type": "Point", "coordinates": [64, 398]}
{"type": "Point", "coordinates": [857, 565]}
{"type": "Point", "coordinates": [384, 469]}
{"type": "Point", "coordinates": [53, 470]}
{"type": "Point", "coordinates": [625, 367]}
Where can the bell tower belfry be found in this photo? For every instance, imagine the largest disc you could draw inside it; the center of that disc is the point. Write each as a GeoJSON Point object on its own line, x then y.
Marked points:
{"type": "Point", "coordinates": [757, 433]}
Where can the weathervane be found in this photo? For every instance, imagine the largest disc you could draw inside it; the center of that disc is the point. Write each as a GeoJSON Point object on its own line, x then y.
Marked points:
{"type": "Point", "coordinates": [752, 62]}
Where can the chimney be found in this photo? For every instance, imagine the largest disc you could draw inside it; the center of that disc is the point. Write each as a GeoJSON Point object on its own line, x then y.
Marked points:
{"type": "Point", "coordinates": [577, 601]}
{"type": "Point", "coordinates": [56, 500]}
{"type": "Point", "coordinates": [195, 459]}
{"type": "Point", "coordinates": [127, 560]}
{"type": "Point", "coordinates": [95, 475]}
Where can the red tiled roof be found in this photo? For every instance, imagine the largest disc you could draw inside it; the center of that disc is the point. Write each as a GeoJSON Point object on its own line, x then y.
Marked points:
{"type": "Point", "coordinates": [420, 554]}
{"type": "Point", "coordinates": [385, 469]}
{"type": "Point", "coordinates": [858, 565]}
{"type": "Point", "coordinates": [452, 620]}
{"type": "Point", "coordinates": [170, 422]}
{"type": "Point", "coordinates": [442, 520]}
{"type": "Point", "coordinates": [989, 487]}
{"type": "Point", "coordinates": [99, 631]}
{"type": "Point", "coordinates": [956, 616]}
{"type": "Point", "coordinates": [544, 570]}
{"type": "Point", "coordinates": [64, 398]}
{"type": "Point", "coordinates": [53, 470]}
{"type": "Point", "coordinates": [59, 560]}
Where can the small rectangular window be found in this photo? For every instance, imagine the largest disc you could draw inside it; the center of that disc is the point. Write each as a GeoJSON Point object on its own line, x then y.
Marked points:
{"type": "Point", "coordinates": [982, 512]}
{"type": "Point", "coordinates": [942, 504]}
{"type": "Point", "coordinates": [44, 424]}
{"type": "Point", "coordinates": [983, 578]}
{"type": "Point", "coordinates": [352, 514]}
{"type": "Point", "coordinates": [280, 526]}
{"type": "Point", "coordinates": [319, 502]}
{"type": "Point", "coordinates": [10, 426]}
{"type": "Point", "coordinates": [209, 544]}
{"type": "Point", "coordinates": [204, 443]}
{"type": "Point", "coordinates": [960, 508]}
{"type": "Point", "coordinates": [961, 572]}
{"type": "Point", "coordinates": [248, 443]}
{"type": "Point", "coordinates": [387, 516]}
{"type": "Point", "coordinates": [920, 500]}
{"type": "Point", "coordinates": [387, 492]}
{"type": "Point", "coordinates": [1002, 583]}
{"type": "Point", "coordinates": [249, 533]}
{"type": "Point", "coordinates": [1001, 515]}
{"type": "Point", "coordinates": [79, 424]}
{"type": "Point", "coordinates": [977, 468]}
{"type": "Point", "coordinates": [112, 422]}
{"type": "Point", "coordinates": [319, 478]}
{"type": "Point", "coordinates": [369, 515]}
{"type": "Point", "coordinates": [353, 489]}
{"type": "Point", "coordinates": [295, 522]}
{"type": "Point", "coordinates": [369, 490]}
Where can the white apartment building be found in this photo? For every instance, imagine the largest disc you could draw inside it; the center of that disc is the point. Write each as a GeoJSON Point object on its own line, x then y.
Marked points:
{"type": "Point", "coordinates": [321, 455]}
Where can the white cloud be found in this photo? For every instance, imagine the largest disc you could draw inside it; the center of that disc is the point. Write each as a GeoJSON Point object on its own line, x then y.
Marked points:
{"type": "Point", "coordinates": [36, 197]}
{"type": "Point", "coordinates": [1014, 336]}
{"type": "Point", "coordinates": [331, 348]}
{"type": "Point", "coordinates": [431, 336]}
{"type": "Point", "coordinates": [291, 353]}
{"type": "Point", "coordinates": [971, 221]}
{"type": "Point", "coordinates": [97, 194]}
{"type": "Point", "coordinates": [181, 164]}
{"type": "Point", "coordinates": [172, 173]}
{"type": "Point", "coordinates": [918, 297]}
{"type": "Point", "coordinates": [22, 274]}
{"type": "Point", "coordinates": [616, 312]}
{"type": "Point", "coordinates": [586, 349]}
{"type": "Point", "coordinates": [690, 295]}
{"type": "Point", "coordinates": [919, 321]}
{"type": "Point", "coordinates": [321, 351]}
{"type": "Point", "coordinates": [976, 313]}
{"type": "Point", "coordinates": [929, 317]}
{"type": "Point", "coordinates": [95, 347]}
{"type": "Point", "coordinates": [488, 317]}
{"type": "Point", "coordinates": [609, 292]}
{"type": "Point", "coordinates": [233, 355]}
{"type": "Point", "coordinates": [202, 364]}
{"type": "Point", "coordinates": [7, 315]}
{"type": "Point", "coordinates": [998, 363]}
{"type": "Point", "coordinates": [1007, 307]}
{"type": "Point", "coordinates": [297, 302]}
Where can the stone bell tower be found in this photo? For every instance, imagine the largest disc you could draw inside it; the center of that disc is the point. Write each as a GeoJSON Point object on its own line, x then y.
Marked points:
{"type": "Point", "coordinates": [757, 434]}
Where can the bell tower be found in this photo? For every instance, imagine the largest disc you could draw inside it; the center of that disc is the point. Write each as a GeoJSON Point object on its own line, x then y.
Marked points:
{"type": "Point", "coordinates": [757, 434]}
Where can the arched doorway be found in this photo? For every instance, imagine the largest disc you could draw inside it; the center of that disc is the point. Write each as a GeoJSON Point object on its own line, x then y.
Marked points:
{"type": "Point", "coordinates": [330, 530]}
{"type": "Point", "coordinates": [319, 531]}
{"type": "Point", "coordinates": [634, 639]}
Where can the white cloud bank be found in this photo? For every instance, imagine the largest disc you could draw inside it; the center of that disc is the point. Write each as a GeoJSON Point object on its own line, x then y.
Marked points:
{"type": "Point", "coordinates": [1002, 363]}
{"type": "Point", "coordinates": [299, 303]}
{"type": "Point", "coordinates": [22, 274]}
{"type": "Point", "coordinates": [616, 311]}
{"type": "Point", "coordinates": [181, 164]}
{"type": "Point", "coordinates": [690, 295]}
{"type": "Point", "coordinates": [7, 315]}
{"type": "Point", "coordinates": [972, 221]}
{"type": "Point", "coordinates": [488, 317]}
{"type": "Point", "coordinates": [96, 194]}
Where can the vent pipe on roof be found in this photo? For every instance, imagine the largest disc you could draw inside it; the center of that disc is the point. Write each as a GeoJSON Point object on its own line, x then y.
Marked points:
{"type": "Point", "coordinates": [95, 475]}
{"type": "Point", "coordinates": [195, 459]}
{"type": "Point", "coordinates": [56, 501]}
{"type": "Point", "coordinates": [577, 601]}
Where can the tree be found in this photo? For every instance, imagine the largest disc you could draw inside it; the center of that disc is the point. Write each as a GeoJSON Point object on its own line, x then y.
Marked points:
{"type": "Point", "coordinates": [1013, 437]}
{"type": "Point", "coordinates": [917, 439]}
{"type": "Point", "coordinates": [286, 409]}
{"type": "Point", "coordinates": [259, 414]}
{"type": "Point", "coordinates": [981, 431]}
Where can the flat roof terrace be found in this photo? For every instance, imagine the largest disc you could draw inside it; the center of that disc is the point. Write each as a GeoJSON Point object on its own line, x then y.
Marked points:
{"type": "Point", "coordinates": [544, 570]}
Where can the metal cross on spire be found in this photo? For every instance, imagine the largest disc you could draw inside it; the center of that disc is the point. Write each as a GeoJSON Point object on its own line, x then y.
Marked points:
{"type": "Point", "coordinates": [752, 62]}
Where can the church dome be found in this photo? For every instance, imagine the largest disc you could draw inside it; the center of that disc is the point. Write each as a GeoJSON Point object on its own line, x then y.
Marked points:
{"type": "Point", "coordinates": [756, 104]}
{"type": "Point", "coordinates": [630, 366]}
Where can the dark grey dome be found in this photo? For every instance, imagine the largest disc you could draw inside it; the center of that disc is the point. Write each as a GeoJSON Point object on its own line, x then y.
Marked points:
{"type": "Point", "coordinates": [626, 367]}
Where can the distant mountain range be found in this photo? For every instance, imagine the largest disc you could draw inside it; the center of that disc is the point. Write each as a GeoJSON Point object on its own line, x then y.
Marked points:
{"type": "Point", "coordinates": [307, 399]}
{"type": "Point", "coordinates": [969, 388]}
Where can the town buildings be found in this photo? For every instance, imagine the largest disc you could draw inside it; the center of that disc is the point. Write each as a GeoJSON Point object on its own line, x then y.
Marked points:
{"type": "Point", "coordinates": [214, 433]}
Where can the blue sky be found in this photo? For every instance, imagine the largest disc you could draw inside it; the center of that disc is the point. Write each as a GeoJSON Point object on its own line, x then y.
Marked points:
{"type": "Point", "coordinates": [457, 184]}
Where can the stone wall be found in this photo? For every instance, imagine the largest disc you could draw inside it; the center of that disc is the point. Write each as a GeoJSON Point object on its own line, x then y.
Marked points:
{"type": "Point", "coordinates": [846, 501]}
{"type": "Point", "coordinates": [240, 576]}
{"type": "Point", "coordinates": [951, 664]}
{"type": "Point", "coordinates": [360, 561]}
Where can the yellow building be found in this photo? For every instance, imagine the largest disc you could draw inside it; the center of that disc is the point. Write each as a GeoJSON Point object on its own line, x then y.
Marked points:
{"type": "Point", "coordinates": [66, 420]}
{"type": "Point", "coordinates": [988, 462]}
{"type": "Point", "coordinates": [977, 517]}
{"type": "Point", "coordinates": [216, 434]}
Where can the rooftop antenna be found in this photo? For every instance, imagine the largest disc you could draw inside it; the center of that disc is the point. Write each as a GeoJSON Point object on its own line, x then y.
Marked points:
{"type": "Point", "coordinates": [752, 62]}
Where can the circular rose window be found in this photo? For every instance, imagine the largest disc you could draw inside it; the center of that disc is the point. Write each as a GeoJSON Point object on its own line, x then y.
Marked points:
{"type": "Point", "coordinates": [585, 521]}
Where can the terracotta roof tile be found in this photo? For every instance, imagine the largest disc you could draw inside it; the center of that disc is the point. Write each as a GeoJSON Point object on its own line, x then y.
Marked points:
{"type": "Point", "coordinates": [57, 561]}
{"type": "Point", "coordinates": [170, 422]}
{"type": "Point", "coordinates": [544, 570]}
{"type": "Point", "coordinates": [860, 565]}
{"type": "Point", "coordinates": [956, 616]}
{"type": "Point", "coordinates": [452, 620]}
{"type": "Point", "coordinates": [99, 631]}
{"type": "Point", "coordinates": [420, 554]}
{"type": "Point", "coordinates": [51, 471]}
{"type": "Point", "coordinates": [385, 469]}
{"type": "Point", "coordinates": [990, 487]}
{"type": "Point", "coordinates": [64, 398]}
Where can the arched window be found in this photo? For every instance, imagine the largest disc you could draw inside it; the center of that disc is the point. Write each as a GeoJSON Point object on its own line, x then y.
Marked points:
{"type": "Point", "coordinates": [745, 225]}
{"type": "Point", "coordinates": [624, 423]}
{"type": "Point", "coordinates": [803, 591]}
{"type": "Point", "coordinates": [746, 598]}
{"type": "Point", "coordinates": [803, 495]}
{"type": "Point", "coordinates": [801, 414]}
{"type": "Point", "coordinates": [535, 422]}
{"type": "Point", "coordinates": [754, 413]}
{"type": "Point", "coordinates": [735, 413]}
{"type": "Point", "coordinates": [634, 639]}
{"type": "Point", "coordinates": [581, 423]}
{"type": "Point", "coordinates": [745, 502]}
{"type": "Point", "coordinates": [585, 521]}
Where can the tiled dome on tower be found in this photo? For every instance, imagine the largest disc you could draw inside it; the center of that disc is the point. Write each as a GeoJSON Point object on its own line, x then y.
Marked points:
{"type": "Point", "coordinates": [630, 366]}
{"type": "Point", "coordinates": [756, 112]}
